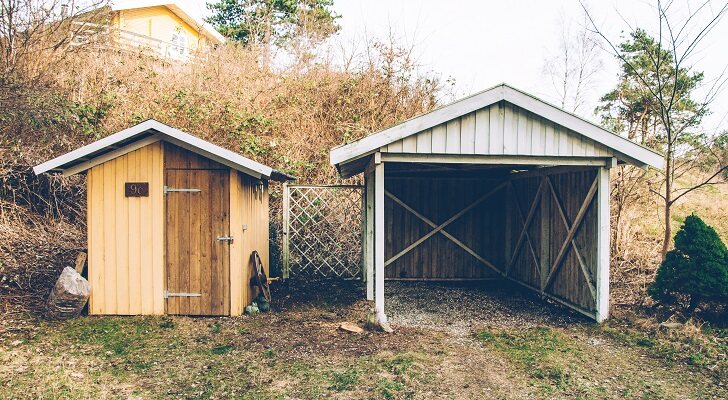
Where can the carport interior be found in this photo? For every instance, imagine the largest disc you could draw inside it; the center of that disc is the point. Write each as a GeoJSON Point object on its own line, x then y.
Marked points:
{"type": "Point", "coordinates": [536, 226]}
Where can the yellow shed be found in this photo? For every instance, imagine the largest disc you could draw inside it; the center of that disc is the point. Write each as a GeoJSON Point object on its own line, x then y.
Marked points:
{"type": "Point", "coordinates": [172, 222]}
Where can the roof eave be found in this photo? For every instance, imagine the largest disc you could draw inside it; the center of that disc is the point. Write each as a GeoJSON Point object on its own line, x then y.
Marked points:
{"type": "Point", "coordinates": [166, 133]}
{"type": "Point", "coordinates": [630, 151]}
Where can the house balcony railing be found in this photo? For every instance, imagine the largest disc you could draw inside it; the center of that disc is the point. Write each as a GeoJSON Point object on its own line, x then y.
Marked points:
{"type": "Point", "coordinates": [91, 34]}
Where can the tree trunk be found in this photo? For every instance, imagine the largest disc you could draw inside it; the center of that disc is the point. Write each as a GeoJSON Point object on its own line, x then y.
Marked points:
{"type": "Point", "coordinates": [668, 204]}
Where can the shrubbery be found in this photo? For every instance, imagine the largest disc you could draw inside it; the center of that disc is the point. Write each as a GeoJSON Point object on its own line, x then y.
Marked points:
{"type": "Point", "coordinates": [696, 271]}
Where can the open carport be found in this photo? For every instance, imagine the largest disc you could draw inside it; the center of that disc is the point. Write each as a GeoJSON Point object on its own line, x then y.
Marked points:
{"type": "Point", "coordinates": [496, 185]}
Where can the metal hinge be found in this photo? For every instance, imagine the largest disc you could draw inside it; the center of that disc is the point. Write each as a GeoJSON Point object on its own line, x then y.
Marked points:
{"type": "Point", "coordinates": [225, 238]}
{"type": "Point", "coordinates": [169, 189]}
{"type": "Point", "coordinates": [168, 294]}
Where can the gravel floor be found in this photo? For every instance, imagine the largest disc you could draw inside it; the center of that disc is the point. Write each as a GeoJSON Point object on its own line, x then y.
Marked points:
{"type": "Point", "coordinates": [461, 308]}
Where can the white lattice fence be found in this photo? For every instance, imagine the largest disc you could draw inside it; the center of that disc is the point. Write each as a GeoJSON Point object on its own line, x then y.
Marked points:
{"type": "Point", "coordinates": [322, 228]}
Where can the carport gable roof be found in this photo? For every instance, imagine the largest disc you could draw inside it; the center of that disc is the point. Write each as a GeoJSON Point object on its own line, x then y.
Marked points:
{"type": "Point", "coordinates": [143, 134]}
{"type": "Point", "coordinates": [622, 148]}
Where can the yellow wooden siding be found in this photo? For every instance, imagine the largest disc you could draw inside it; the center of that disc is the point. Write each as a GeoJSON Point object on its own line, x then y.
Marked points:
{"type": "Point", "coordinates": [249, 207]}
{"type": "Point", "coordinates": [159, 23]}
{"type": "Point", "coordinates": [126, 235]}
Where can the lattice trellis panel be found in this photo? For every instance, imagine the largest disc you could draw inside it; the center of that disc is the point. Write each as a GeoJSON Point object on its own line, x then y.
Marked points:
{"type": "Point", "coordinates": [322, 230]}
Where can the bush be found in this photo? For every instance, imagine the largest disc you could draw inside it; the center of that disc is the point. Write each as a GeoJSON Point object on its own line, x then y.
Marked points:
{"type": "Point", "coordinates": [696, 271]}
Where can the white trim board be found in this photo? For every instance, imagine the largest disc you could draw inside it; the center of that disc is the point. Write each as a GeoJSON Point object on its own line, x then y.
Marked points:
{"type": "Point", "coordinates": [623, 148]}
{"type": "Point", "coordinates": [68, 165]}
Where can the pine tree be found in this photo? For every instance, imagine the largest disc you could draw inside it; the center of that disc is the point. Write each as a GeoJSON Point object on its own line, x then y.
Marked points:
{"type": "Point", "coordinates": [697, 269]}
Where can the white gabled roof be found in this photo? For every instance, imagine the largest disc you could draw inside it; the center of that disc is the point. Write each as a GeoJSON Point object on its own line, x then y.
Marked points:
{"type": "Point", "coordinates": [142, 134]}
{"type": "Point", "coordinates": [176, 8]}
{"type": "Point", "coordinates": [624, 148]}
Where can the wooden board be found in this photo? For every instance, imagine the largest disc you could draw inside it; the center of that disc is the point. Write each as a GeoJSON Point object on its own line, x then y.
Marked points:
{"type": "Point", "coordinates": [439, 258]}
{"type": "Point", "coordinates": [249, 225]}
{"type": "Point", "coordinates": [197, 263]}
{"type": "Point", "coordinates": [125, 235]}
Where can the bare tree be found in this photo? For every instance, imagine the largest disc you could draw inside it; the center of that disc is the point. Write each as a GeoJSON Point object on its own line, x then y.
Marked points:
{"type": "Point", "coordinates": [33, 33]}
{"type": "Point", "coordinates": [662, 78]}
{"type": "Point", "coordinates": [573, 69]}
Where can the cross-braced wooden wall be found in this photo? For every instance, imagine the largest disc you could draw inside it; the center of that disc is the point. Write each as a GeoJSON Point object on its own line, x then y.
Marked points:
{"type": "Point", "coordinates": [538, 228]}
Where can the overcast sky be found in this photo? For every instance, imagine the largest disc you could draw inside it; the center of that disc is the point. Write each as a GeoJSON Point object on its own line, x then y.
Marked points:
{"type": "Point", "coordinates": [482, 43]}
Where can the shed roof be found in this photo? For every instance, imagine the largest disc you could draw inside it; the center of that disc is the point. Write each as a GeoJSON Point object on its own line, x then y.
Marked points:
{"type": "Point", "coordinates": [622, 148]}
{"type": "Point", "coordinates": [177, 8]}
{"type": "Point", "coordinates": [143, 134]}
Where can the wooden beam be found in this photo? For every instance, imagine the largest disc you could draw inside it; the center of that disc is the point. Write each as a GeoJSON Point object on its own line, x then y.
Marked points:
{"type": "Point", "coordinates": [545, 238]}
{"type": "Point", "coordinates": [556, 266]}
{"type": "Point", "coordinates": [379, 233]}
{"type": "Point", "coordinates": [443, 232]}
{"type": "Point", "coordinates": [80, 262]}
{"type": "Point", "coordinates": [286, 231]}
{"type": "Point", "coordinates": [575, 248]}
{"type": "Point", "coordinates": [603, 246]}
{"type": "Point", "coordinates": [369, 243]}
{"type": "Point", "coordinates": [570, 305]}
{"type": "Point", "coordinates": [526, 224]}
{"type": "Point", "coordinates": [445, 224]}
{"type": "Point", "coordinates": [546, 171]}
{"type": "Point", "coordinates": [493, 159]}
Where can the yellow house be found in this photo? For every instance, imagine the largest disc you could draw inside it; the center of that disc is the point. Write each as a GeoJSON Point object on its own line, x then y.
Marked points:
{"type": "Point", "coordinates": [164, 27]}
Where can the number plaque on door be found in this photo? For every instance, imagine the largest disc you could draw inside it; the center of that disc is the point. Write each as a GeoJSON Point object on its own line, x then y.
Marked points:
{"type": "Point", "coordinates": [136, 189]}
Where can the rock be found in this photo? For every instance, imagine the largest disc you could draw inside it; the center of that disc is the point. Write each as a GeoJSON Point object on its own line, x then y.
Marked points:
{"type": "Point", "coordinates": [252, 309]}
{"type": "Point", "coordinates": [69, 295]}
{"type": "Point", "coordinates": [595, 341]}
{"type": "Point", "coordinates": [263, 304]}
{"type": "Point", "coordinates": [350, 327]}
{"type": "Point", "coordinates": [671, 325]}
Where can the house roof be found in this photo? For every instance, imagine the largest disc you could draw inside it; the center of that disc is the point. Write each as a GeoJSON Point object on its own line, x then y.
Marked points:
{"type": "Point", "coordinates": [623, 148]}
{"type": "Point", "coordinates": [177, 8]}
{"type": "Point", "coordinates": [143, 134]}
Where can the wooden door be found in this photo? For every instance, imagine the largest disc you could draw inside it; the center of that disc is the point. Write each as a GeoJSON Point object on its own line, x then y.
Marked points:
{"type": "Point", "coordinates": [198, 255]}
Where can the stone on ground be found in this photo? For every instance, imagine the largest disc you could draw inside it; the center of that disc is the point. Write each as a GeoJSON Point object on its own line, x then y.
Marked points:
{"type": "Point", "coordinates": [350, 327]}
{"type": "Point", "coordinates": [69, 295]}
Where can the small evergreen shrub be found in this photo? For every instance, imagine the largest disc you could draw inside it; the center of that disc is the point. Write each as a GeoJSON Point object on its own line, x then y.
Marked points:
{"type": "Point", "coordinates": [696, 271]}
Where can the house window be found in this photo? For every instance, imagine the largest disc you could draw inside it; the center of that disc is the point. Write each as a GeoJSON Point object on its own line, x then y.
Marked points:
{"type": "Point", "coordinates": [178, 45]}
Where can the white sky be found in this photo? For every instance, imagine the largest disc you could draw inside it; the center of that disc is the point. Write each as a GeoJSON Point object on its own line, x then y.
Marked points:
{"type": "Point", "coordinates": [482, 43]}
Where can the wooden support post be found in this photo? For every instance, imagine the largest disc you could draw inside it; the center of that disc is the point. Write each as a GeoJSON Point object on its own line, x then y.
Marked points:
{"type": "Point", "coordinates": [369, 216]}
{"type": "Point", "coordinates": [602, 312]}
{"type": "Point", "coordinates": [286, 222]}
{"type": "Point", "coordinates": [80, 262]}
{"type": "Point", "coordinates": [545, 236]}
{"type": "Point", "coordinates": [508, 228]}
{"type": "Point", "coordinates": [379, 241]}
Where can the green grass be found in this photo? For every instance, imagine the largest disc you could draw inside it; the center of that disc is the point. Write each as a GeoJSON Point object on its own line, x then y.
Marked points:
{"type": "Point", "coordinates": [344, 380]}
{"type": "Point", "coordinates": [545, 353]}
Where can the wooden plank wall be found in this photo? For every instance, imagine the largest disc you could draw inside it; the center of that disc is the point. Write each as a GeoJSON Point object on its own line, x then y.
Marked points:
{"type": "Point", "coordinates": [500, 129]}
{"type": "Point", "coordinates": [248, 206]}
{"type": "Point", "coordinates": [438, 199]}
{"type": "Point", "coordinates": [126, 235]}
{"type": "Point", "coordinates": [569, 283]}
